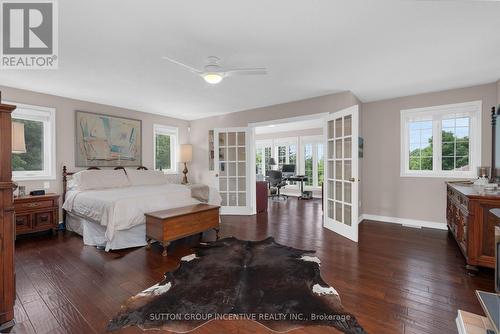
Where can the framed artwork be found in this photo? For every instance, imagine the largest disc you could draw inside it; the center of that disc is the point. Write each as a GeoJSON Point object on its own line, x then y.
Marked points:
{"type": "Point", "coordinates": [107, 141]}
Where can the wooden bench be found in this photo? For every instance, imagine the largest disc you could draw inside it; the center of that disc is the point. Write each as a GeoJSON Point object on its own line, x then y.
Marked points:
{"type": "Point", "coordinates": [168, 225]}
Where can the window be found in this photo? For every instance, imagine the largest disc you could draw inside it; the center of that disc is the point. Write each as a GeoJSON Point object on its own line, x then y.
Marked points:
{"type": "Point", "coordinates": [313, 160]}
{"type": "Point", "coordinates": [38, 163]}
{"type": "Point", "coordinates": [165, 148]}
{"type": "Point", "coordinates": [263, 154]}
{"type": "Point", "coordinates": [442, 141]}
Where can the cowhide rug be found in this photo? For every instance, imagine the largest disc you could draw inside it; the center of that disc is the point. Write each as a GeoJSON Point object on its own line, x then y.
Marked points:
{"type": "Point", "coordinates": [278, 286]}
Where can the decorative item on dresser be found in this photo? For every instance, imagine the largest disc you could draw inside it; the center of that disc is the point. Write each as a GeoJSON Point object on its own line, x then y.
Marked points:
{"type": "Point", "coordinates": [36, 213]}
{"type": "Point", "coordinates": [471, 223]}
{"type": "Point", "coordinates": [7, 274]}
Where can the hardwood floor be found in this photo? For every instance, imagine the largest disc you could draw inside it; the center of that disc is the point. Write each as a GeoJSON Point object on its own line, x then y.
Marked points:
{"type": "Point", "coordinates": [396, 280]}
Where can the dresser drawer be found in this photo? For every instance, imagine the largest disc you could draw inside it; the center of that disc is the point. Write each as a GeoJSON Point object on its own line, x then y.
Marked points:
{"type": "Point", "coordinates": [23, 222]}
{"type": "Point", "coordinates": [33, 205]}
{"type": "Point", "coordinates": [43, 219]}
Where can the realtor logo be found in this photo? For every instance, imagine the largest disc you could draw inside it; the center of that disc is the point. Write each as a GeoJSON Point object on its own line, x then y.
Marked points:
{"type": "Point", "coordinates": [29, 34]}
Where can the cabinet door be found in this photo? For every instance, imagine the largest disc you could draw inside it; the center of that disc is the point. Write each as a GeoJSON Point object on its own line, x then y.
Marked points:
{"type": "Point", "coordinates": [23, 222]}
{"type": "Point", "coordinates": [43, 220]}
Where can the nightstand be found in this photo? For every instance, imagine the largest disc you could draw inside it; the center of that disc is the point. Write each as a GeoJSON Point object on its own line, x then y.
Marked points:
{"type": "Point", "coordinates": [36, 213]}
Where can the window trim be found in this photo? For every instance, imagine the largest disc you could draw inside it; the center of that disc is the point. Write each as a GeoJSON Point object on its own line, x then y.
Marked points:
{"type": "Point", "coordinates": [171, 131]}
{"type": "Point", "coordinates": [473, 108]}
{"type": "Point", "coordinates": [25, 111]}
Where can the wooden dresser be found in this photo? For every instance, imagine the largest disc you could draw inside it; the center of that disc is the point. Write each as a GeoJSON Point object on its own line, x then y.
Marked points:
{"type": "Point", "coordinates": [471, 223]}
{"type": "Point", "coordinates": [7, 276]}
{"type": "Point", "coordinates": [36, 213]}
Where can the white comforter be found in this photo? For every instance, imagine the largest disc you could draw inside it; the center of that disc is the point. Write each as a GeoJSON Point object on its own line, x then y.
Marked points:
{"type": "Point", "coordinates": [123, 208]}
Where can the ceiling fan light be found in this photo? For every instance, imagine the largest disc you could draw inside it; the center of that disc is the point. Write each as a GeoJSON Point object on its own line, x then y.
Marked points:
{"type": "Point", "coordinates": [212, 78]}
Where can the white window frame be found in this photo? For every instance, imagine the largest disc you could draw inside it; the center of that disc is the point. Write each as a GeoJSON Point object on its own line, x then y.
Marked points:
{"type": "Point", "coordinates": [47, 116]}
{"type": "Point", "coordinates": [173, 132]}
{"type": "Point", "coordinates": [472, 109]}
{"type": "Point", "coordinates": [314, 141]}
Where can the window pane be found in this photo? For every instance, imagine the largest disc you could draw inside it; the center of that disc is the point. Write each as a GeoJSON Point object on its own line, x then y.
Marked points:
{"type": "Point", "coordinates": [420, 147]}
{"type": "Point", "coordinates": [308, 160]}
{"type": "Point", "coordinates": [426, 164]}
{"type": "Point", "coordinates": [32, 160]}
{"type": "Point", "coordinates": [455, 147]}
{"type": "Point", "coordinates": [162, 152]}
{"type": "Point", "coordinates": [258, 161]}
{"type": "Point", "coordinates": [448, 163]}
{"type": "Point", "coordinates": [321, 164]}
{"type": "Point", "coordinates": [281, 156]}
{"type": "Point", "coordinates": [462, 163]}
{"type": "Point", "coordinates": [268, 157]}
{"type": "Point", "coordinates": [414, 163]}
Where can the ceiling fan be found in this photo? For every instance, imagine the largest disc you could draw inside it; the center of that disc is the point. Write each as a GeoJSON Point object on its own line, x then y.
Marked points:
{"type": "Point", "coordinates": [213, 73]}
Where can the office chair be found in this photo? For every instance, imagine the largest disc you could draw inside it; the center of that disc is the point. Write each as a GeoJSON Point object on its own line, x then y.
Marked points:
{"type": "Point", "coordinates": [276, 181]}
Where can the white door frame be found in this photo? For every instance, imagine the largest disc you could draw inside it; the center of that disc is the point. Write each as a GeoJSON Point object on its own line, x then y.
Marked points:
{"type": "Point", "coordinates": [350, 232]}
{"type": "Point", "coordinates": [252, 127]}
{"type": "Point", "coordinates": [250, 208]}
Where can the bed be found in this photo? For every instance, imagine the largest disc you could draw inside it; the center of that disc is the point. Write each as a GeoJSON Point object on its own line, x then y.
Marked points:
{"type": "Point", "coordinates": [107, 207]}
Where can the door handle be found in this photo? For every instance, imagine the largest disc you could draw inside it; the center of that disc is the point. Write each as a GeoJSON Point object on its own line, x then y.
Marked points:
{"type": "Point", "coordinates": [353, 179]}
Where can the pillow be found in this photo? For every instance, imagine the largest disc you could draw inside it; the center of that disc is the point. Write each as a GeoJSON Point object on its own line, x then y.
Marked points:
{"type": "Point", "coordinates": [146, 177]}
{"type": "Point", "coordinates": [100, 179]}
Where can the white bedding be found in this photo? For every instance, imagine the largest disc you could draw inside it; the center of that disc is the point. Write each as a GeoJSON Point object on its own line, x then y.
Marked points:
{"type": "Point", "coordinates": [123, 208]}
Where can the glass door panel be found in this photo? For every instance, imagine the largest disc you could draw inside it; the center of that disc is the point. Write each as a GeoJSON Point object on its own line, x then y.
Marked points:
{"type": "Point", "coordinates": [232, 173]}
{"type": "Point", "coordinates": [341, 131]}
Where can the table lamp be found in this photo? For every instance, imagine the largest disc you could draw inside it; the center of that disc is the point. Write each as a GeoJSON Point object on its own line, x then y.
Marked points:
{"type": "Point", "coordinates": [18, 141]}
{"type": "Point", "coordinates": [185, 157]}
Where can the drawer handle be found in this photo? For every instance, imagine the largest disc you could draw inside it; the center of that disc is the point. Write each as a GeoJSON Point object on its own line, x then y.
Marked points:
{"type": "Point", "coordinates": [32, 205]}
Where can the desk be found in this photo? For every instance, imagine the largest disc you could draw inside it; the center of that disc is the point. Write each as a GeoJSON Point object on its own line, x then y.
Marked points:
{"type": "Point", "coordinates": [301, 179]}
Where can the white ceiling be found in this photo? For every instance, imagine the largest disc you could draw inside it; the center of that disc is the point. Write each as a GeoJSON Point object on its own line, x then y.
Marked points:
{"type": "Point", "coordinates": [110, 51]}
{"type": "Point", "coordinates": [291, 126]}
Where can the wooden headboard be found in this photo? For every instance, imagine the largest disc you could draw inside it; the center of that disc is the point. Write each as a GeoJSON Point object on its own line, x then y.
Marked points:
{"type": "Point", "coordinates": [65, 175]}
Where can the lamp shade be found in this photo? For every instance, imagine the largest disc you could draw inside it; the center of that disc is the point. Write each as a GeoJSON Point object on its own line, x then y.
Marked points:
{"type": "Point", "coordinates": [272, 162]}
{"type": "Point", "coordinates": [18, 142]}
{"type": "Point", "coordinates": [186, 154]}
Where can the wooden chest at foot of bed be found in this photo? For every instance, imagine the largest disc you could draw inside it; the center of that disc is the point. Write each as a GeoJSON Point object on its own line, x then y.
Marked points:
{"type": "Point", "coordinates": [168, 225]}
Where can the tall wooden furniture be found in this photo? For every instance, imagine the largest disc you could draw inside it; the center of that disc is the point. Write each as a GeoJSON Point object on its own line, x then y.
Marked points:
{"type": "Point", "coordinates": [36, 213]}
{"type": "Point", "coordinates": [7, 285]}
{"type": "Point", "coordinates": [471, 223]}
{"type": "Point", "coordinates": [261, 194]}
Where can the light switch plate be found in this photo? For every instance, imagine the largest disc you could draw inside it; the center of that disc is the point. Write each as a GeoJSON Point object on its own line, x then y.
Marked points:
{"type": "Point", "coordinates": [46, 185]}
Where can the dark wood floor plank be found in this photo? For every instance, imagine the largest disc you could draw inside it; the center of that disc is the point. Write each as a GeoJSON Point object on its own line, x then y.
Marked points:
{"type": "Point", "coordinates": [395, 280]}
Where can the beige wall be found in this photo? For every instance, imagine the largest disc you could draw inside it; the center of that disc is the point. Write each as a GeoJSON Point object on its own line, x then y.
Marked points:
{"type": "Point", "coordinates": [200, 127]}
{"type": "Point", "coordinates": [287, 134]}
{"type": "Point", "coordinates": [498, 93]}
{"type": "Point", "coordinates": [65, 128]}
{"type": "Point", "coordinates": [385, 193]}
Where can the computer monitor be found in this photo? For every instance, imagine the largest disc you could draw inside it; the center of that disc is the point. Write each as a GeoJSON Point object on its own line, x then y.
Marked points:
{"type": "Point", "coordinates": [288, 169]}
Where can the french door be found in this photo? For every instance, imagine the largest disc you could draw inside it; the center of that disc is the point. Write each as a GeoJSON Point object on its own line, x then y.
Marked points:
{"type": "Point", "coordinates": [341, 186]}
{"type": "Point", "coordinates": [231, 165]}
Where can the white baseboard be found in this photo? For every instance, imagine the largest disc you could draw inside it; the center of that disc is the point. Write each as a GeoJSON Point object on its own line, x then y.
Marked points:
{"type": "Point", "coordinates": [404, 221]}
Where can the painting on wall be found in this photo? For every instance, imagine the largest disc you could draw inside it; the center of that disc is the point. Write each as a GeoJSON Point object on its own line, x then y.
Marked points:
{"type": "Point", "coordinates": [107, 141]}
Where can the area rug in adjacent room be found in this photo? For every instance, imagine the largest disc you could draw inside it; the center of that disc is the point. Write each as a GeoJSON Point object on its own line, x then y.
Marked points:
{"type": "Point", "coordinates": [278, 286]}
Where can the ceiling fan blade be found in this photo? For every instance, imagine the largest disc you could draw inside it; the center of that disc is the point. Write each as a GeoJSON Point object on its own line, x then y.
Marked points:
{"type": "Point", "coordinates": [192, 69]}
{"type": "Point", "coordinates": [245, 71]}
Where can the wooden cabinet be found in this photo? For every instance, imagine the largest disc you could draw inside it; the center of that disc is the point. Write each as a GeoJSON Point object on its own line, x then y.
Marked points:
{"type": "Point", "coordinates": [7, 276]}
{"type": "Point", "coordinates": [36, 213]}
{"type": "Point", "coordinates": [471, 223]}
